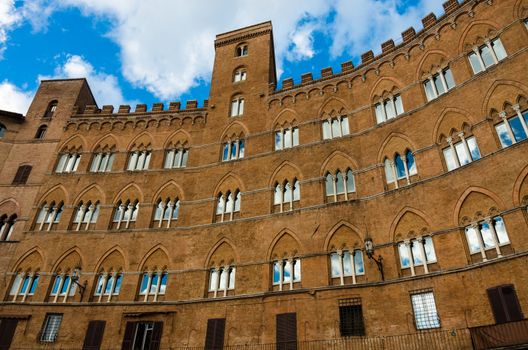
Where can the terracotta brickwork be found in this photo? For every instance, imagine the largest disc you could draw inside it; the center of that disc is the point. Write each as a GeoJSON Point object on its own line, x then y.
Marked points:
{"type": "Point", "coordinates": [187, 194]}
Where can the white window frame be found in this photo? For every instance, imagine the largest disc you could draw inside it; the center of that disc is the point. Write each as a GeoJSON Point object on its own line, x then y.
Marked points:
{"type": "Point", "coordinates": [496, 50]}
{"type": "Point", "coordinates": [286, 138]}
{"type": "Point", "coordinates": [512, 136]}
{"type": "Point", "coordinates": [444, 76]}
{"type": "Point", "coordinates": [237, 106]}
{"type": "Point", "coordinates": [176, 158]}
{"type": "Point", "coordinates": [139, 160]}
{"type": "Point", "coordinates": [164, 207]}
{"type": "Point", "coordinates": [238, 146]}
{"type": "Point", "coordinates": [24, 285]}
{"type": "Point", "coordinates": [415, 250]}
{"type": "Point", "coordinates": [339, 257]}
{"type": "Point", "coordinates": [453, 154]}
{"type": "Point", "coordinates": [222, 279]}
{"type": "Point", "coordinates": [391, 169]}
{"type": "Point", "coordinates": [289, 193]}
{"type": "Point", "coordinates": [240, 75]}
{"type": "Point", "coordinates": [120, 213]}
{"type": "Point", "coordinates": [103, 279]}
{"type": "Point", "coordinates": [348, 188]}
{"type": "Point", "coordinates": [66, 287]}
{"type": "Point", "coordinates": [86, 214]}
{"type": "Point", "coordinates": [152, 289]}
{"type": "Point", "coordinates": [49, 214]}
{"type": "Point", "coordinates": [228, 204]}
{"type": "Point", "coordinates": [102, 162]}
{"type": "Point", "coordinates": [290, 265]}
{"type": "Point", "coordinates": [395, 103]}
{"type": "Point", "coordinates": [476, 229]}
{"type": "Point", "coordinates": [68, 163]}
{"type": "Point", "coordinates": [335, 127]}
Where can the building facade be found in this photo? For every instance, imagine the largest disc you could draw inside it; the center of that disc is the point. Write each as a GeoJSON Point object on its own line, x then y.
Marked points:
{"type": "Point", "coordinates": [383, 206]}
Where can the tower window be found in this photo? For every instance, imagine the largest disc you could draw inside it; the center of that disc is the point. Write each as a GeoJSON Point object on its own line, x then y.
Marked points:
{"type": "Point", "coordinates": [241, 50]}
{"type": "Point", "coordinates": [50, 111]}
{"type": "Point", "coordinates": [41, 132]}
{"type": "Point", "coordinates": [240, 75]}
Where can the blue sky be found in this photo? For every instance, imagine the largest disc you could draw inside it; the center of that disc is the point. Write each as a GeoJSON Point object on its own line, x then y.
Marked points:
{"type": "Point", "coordinates": [138, 51]}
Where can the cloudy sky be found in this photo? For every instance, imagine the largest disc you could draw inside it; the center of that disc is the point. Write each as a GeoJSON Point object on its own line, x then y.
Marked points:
{"type": "Point", "coordinates": [139, 51]}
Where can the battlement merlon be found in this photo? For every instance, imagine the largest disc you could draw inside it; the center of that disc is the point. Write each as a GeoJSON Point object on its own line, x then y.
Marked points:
{"type": "Point", "coordinates": [140, 110]}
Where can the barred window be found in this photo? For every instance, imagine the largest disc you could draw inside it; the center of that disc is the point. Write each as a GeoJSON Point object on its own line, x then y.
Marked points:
{"type": "Point", "coordinates": [351, 317]}
{"type": "Point", "coordinates": [50, 328]}
{"type": "Point", "coordinates": [424, 308]}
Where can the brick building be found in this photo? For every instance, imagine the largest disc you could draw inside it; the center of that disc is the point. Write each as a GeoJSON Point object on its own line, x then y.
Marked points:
{"type": "Point", "coordinates": [383, 206]}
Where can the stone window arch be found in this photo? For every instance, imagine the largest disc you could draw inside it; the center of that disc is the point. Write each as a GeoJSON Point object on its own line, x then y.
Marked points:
{"type": "Point", "coordinates": [287, 195]}
{"type": "Point", "coordinates": [228, 205]}
{"type": "Point", "coordinates": [125, 214]}
{"type": "Point", "coordinates": [49, 215]}
{"type": "Point", "coordinates": [339, 185]}
{"type": "Point", "coordinates": [85, 215]}
{"type": "Point", "coordinates": [167, 212]}
{"type": "Point", "coordinates": [400, 167]}
{"type": "Point", "coordinates": [241, 50]}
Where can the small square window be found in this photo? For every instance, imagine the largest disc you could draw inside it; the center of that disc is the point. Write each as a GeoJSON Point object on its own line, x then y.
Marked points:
{"type": "Point", "coordinates": [351, 317]}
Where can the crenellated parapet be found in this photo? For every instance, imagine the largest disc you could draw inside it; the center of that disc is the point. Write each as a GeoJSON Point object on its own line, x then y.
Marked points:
{"type": "Point", "coordinates": [390, 50]}
{"type": "Point", "coordinates": [106, 118]}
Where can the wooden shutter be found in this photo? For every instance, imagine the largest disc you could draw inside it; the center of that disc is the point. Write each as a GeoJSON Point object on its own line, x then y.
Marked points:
{"type": "Point", "coordinates": [128, 339]}
{"type": "Point", "coordinates": [94, 335]}
{"type": "Point", "coordinates": [156, 336]}
{"type": "Point", "coordinates": [286, 334]}
{"type": "Point", "coordinates": [22, 174]}
{"type": "Point", "coordinates": [214, 339]}
{"type": "Point", "coordinates": [511, 303]}
{"type": "Point", "coordinates": [7, 331]}
{"type": "Point", "coordinates": [504, 304]}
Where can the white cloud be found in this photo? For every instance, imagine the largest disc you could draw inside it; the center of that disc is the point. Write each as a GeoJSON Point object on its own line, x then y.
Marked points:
{"type": "Point", "coordinates": [14, 99]}
{"type": "Point", "coordinates": [167, 47]}
{"type": "Point", "coordinates": [105, 87]}
{"type": "Point", "coordinates": [9, 18]}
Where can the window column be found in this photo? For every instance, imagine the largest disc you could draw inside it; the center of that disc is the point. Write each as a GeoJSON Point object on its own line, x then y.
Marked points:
{"type": "Point", "coordinates": [491, 226]}
{"type": "Point", "coordinates": [453, 151]}
{"type": "Point", "coordinates": [281, 273]}
{"type": "Point", "coordinates": [408, 247]}
{"type": "Point", "coordinates": [158, 284]}
{"type": "Point", "coordinates": [394, 174]}
{"type": "Point", "coordinates": [62, 277]}
{"type": "Point", "coordinates": [466, 147]}
{"type": "Point", "coordinates": [89, 216]}
{"type": "Point", "coordinates": [479, 58]}
{"type": "Point", "coordinates": [45, 209]}
{"type": "Point", "coordinates": [112, 286]}
{"type": "Point", "coordinates": [341, 269]}
{"type": "Point", "coordinates": [225, 275]}
{"type": "Point", "coordinates": [170, 206]}
{"type": "Point", "coordinates": [281, 204]}
{"type": "Point", "coordinates": [19, 287]}
{"type": "Point", "coordinates": [291, 272]}
{"type": "Point", "coordinates": [334, 185]}
{"type": "Point", "coordinates": [121, 209]}
{"type": "Point", "coordinates": [130, 207]}
{"type": "Point", "coordinates": [104, 277]}
{"type": "Point", "coordinates": [391, 99]}
{"type": "Point", "coordinates": [53, 215]}
{"type": "Point", "coordinates": [162, 214]}
{"type": "Point", "coordinates": [493, 55]}
{"type": "Point", "coordinates": [80, 216]}
{"type": "Point", "coordinates": [149, 284]}
{"type": "Point", "coordinates": [30, 277]}
{"type": "Point", "coordinates": [421, 243]}
{"type": "Point", "coordinates": [442, 79]}
{"type": "Point", "coordinates": [68, 288]}
{"type": "Point", "coordinates": [504, 118]}
{"type": "Point", "coordinates": [481, 241]}
{"type": "Point", "coordinates": [345, 187]}
{"type": "Point", "coordinates": [406, 169]}
{"type": "Point", "coordinates": [353, 266]}
{"type": "Point", "coordinates": [517, 110]}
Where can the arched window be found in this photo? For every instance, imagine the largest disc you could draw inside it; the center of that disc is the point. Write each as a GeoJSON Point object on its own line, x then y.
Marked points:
{"type": "Point", "coordinates": [488, 234]}
{"type": "Point", "coordinates": [417, 252]}
{"type": "Point", "coordinates": [63, 287]}
{"type": "Point", "coordinates": [339, 185]}
{"type": "Point", "coordinates": [50, 111]}
{"type": "Point", "coordinates": [85, 216]}
{"type": "Point", "coordinates": [176, 158]}
{"type": "Point", "coordinates": [3, 130]}
{"type": "Point", "coordinates": [239, 75]}
{"type": "Point", "coordinates": [153, 284]}
{"type": "Point", "coordinates": [438, 83]}
{"type": "Point", "coordinates": [388, 108]}
{"type": "Point", "coordinates": [460, 151]}
{"type": "Point", "coordinates": [400, 167]}
{"type": "Point", "coordinates": [489, 54]}
{"type": "Point", "coordinates": [125, 214]}
{"type": "Point", "coordinates": [228, 205]}
{"type": "Point", "coordinates": [286, 195]}
{"type": "Point", "coordinates": [102, 161]}
{"type": "Point", "coordinates": [232, 150]}
{"type": "Point", "coordinates": [24, 286]}
{"type": "Point", "coordinates": [335, 127]}
{"type": "Point", "coordinates": [512, 129]}
{"type": "Point", "coordinates": [41, 131]}
{"type": "Point", "coordinates": [346, 265]}
{"type": "Point", "coordinates": [139, 160]}
{"type": "Point", "coordinates": [221, 279]}
{"type": "Point", "coordinates": [167, 212]}
{"type": "Point", "coordinates": [286, 272]}
{"type": "Point", "coordinates": [237, 106]}
{"type": "Point", "coordinates": [68, 162]}
{"type": "Point", "coordinates": [108, 285]}
{"type": "Point", "coordinates": [286, 138]}
{"type": "Point", "coordinates": [7, 224]}
{"type": "Point", "coordinates": [49, 216]}
{"type": "Point", "coordinates": [241, 50]}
